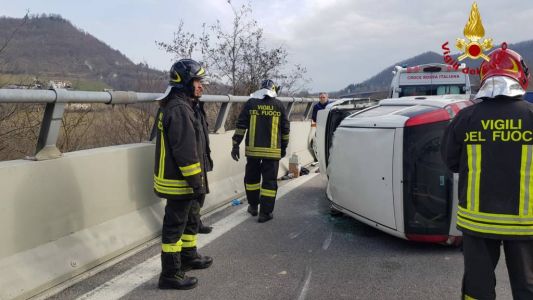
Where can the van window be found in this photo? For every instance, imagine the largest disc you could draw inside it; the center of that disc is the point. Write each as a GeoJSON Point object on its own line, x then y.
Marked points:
{"type": "Point", "coordinates": [427, 186]}
{"type": "Point", "coordinates": [431, 90]}
{"type": "Point", "coordinates": [449, 89]}
{"type": "Point", "coordinates": [416, 90]}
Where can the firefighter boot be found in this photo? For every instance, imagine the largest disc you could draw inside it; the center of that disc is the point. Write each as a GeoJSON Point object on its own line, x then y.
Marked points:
{"type": "Point", "coordinates": [193, 260]}
{"type": "Point", "coordinates": [171, 276]}
{"type": "Point", "coordinates": [265, 217]}
{"type": "Point", "coordinates": [205, 229]}
{"type": "Point", "coordinates": [252, 210]}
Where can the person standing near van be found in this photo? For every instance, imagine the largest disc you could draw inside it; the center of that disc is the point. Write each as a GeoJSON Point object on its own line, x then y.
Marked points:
{"type": "Point", "coordinates": [264, 122]}
{"type": "Point", "coordinates": [180, 173]}
{"type": "Point", "coordinates": [323, 101]}
{"type": "Point", "coordinates": [490, 145]}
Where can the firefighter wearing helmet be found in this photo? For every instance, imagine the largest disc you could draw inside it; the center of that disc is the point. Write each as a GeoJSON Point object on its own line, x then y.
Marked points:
{"type": "Point", "coordinates": [182, 160]}
{"type": "Point", "coordinates": [490, 145]}
{"type": "Point", "coordinates": [264, 122]}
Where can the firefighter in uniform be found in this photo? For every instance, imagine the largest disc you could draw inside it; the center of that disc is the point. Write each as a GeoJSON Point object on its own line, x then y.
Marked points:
{"type": "Point", "coordinates": [181, 162]}
{"type": "Point", "coordinates": [264, 122]}
{"type": "Point", "coordinates": [490, 145]}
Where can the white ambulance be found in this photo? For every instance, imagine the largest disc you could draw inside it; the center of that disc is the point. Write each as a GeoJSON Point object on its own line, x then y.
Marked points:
{"type": "Point", "coordinates": [429, 80]}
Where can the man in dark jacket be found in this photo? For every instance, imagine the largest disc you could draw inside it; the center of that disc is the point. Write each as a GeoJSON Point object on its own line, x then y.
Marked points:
{"type": "Point", "coordinates": [490, 145]}
{"type": "Point", "coordinates": [181, 162]}
{"type": "Point", "coordinates": [322, 103]}
{"type": "Point", "coordinates": [264, 122]}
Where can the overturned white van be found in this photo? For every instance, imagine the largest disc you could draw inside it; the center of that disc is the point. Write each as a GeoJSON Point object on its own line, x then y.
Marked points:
{"type": "Point", "coordinates": [384, 168]}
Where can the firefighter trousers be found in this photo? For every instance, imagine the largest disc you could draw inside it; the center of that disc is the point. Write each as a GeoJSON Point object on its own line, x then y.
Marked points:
{"type": "Point", "coordinates": [261, 192]}
{"type": "Point", "coordinates": [179, 234]}
{"type": "Point", "coordinates": [480, 259]}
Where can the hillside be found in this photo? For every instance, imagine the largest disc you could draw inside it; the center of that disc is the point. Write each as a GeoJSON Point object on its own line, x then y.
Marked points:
{"type": "Point", "coordinates": [51, 47]}
{"type": "Point", "coordinates": [381, 80]}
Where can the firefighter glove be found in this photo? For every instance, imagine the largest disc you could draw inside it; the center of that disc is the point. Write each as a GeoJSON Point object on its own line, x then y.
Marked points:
{"type": "Point", "coordinates": [283, 152]}
{"type": "Point", "coordinates": [235, 153]}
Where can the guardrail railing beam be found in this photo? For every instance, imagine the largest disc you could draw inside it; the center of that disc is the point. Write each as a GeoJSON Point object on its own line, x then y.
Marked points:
{"type": "Point", "coordinates": [56, 100]}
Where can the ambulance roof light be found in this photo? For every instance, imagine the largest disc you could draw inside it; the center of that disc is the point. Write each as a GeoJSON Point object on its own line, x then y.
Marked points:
{"type": "Point", "coordinates": [432, 69]}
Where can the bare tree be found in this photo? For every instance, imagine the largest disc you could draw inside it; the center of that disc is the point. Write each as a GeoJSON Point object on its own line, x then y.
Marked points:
{"type": "Point", "coordinates": [13, 117]}
{"type": "Point", "coordinates": [183, 44]}
{"type": "Point", "coordinates": [259, 63]}
{"type": "Point", "coordinates": [75, 125]}
{"type": "Point", "coordinates": [237, 57]}
{"type": "Point", "coordinates": [294, 82]}
{"type": "Point", "coordinates": [14, 32]}
{"type": "Point", "coordinates": [19, 128]}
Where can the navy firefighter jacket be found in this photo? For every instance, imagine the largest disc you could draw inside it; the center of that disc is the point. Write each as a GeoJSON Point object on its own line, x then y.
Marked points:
{"type": "Point", "coordinates": [490, 145]}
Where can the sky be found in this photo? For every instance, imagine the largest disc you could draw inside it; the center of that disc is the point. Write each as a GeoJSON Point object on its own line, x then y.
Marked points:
{"type": "Point", "coordinates": [339, 41]}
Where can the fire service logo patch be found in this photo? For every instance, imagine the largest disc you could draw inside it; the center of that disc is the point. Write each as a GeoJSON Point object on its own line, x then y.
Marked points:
{"type": "Point", "coordinates": [473, 46]}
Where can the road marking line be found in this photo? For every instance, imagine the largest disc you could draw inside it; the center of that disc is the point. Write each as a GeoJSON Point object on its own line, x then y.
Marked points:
{"type": "Point", "coordinates": [126, 282]}
{"type": "Point", "coordinates": [327, 241]}
{"type": "Point", "coordinates": [305, 287]}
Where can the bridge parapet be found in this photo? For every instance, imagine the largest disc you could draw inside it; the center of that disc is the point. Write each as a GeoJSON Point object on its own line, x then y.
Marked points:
{"type": "Point", "coordinates": [63, 216]}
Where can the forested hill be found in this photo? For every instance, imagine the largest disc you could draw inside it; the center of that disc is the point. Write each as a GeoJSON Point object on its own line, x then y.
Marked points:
{"type": "Point", "coordinates": [49, 46]}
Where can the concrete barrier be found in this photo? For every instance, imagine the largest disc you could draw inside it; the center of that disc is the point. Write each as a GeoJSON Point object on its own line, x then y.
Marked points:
{"type": "Point", "coordinates": [62, 217]}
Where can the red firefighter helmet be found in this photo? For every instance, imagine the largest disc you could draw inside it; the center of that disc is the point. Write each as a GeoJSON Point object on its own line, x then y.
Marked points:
{"type": "Point", "coordinates": [505, 62]}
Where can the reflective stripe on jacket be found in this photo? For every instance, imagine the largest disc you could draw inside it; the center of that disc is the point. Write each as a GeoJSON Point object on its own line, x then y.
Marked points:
{"type": "Point", "coordinates": [182, 150]}
{"type": "Point", "coordinates": [490, 145]}
{"type": "Point", "coordinates": [266, 126]}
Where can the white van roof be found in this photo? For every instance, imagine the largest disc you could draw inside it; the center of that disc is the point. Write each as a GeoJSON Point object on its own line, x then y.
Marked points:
{"type": "Point", "coordinates": [438, 101]}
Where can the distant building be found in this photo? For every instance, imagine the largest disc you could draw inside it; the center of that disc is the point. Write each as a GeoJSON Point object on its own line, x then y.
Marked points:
{"type": "Point", "coordinates": [74, 107]}
{"type": "Point", "coordinates": [38, 84]}
{"type": "Point", "coordinates": [60, 84]}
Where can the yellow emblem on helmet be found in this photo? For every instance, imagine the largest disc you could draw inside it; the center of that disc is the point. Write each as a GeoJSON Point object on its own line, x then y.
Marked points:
{"type": "Point", "coordinates": [178, 78]}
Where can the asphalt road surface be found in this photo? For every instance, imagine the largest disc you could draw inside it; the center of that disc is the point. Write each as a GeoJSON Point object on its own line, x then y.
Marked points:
{"type": "Point", "coordinates": [303, 253]}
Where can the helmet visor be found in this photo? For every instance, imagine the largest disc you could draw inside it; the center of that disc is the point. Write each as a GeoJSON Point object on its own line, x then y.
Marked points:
{"type": "Point", "coordinates": [260, 94]}
{"type": "Point", "coordinates": [165, 94]}
{"type": "Point", "coordinates": [500, 86]}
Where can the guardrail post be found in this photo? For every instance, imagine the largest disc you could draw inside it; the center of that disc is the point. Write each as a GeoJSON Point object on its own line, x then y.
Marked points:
{"type": "Point", "coordinates": [308, 110]}
{"type": "Point", "coordinates": [288, 110]}
{"type": "Point", "coordinates": [46, 144]}
{"type": "Point", "coordinates": [223, 112]}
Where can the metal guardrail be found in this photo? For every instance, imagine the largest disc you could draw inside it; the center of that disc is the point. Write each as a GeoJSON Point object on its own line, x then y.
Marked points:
{"type": "Point", "coordinates": [56, 99]}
